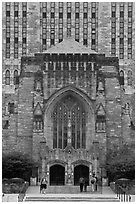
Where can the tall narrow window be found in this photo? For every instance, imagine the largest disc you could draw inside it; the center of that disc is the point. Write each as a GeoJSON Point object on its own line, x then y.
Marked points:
{"type": "Point", "coordinates": [5, 124]}
{"type": "Point", "coordinates": [7, 77]}
{"type": "Point", "coordinates": [130, 29]}
{"type": "Point", "coordinates": [126, 109]}
{"type": "Point", "coordinates": [44, 25]}
{"type": "Point", "coordinates": [52, 23]}
{"type": "Point", "coordinates": [77, 9]}
{"type": "Point", "coordinates": [113, 29]}
{"type": "Point", "coordinates": [38, 123]}
{"type": "Point", "coordinates": [38, 118]}
{"type": "Point", "coordinates": [100, 123]}
{"type": "Point", "coordinates": [7, 30]}
{"type": "Point", "coordinates": [85, 23]}
{"type": "Point", "coordinates": [16, 29]}
{"type": "Point", "coordinates": [94, 26]}
{"type": "Point", "coordinates": [68, 19]}
{"type": "Point", "coordinates": [100, 119]}
{"type": "Point", "coordinates": [16, 81]}
{"type": "Point", "coordinates": [129, 78]}
{"type": "Point", "coordinates": [121, 77]}
{"type": "Point", "coordinates": [60, 21]}
{"type": "Point", "coordinates": [11, 108]}
{"type": "Point", "coordinates": [24, 28]}
{"type": "Point", "coordinates": [121, 28]}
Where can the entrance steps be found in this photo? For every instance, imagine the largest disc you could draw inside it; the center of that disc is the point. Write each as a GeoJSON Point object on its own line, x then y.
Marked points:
{"type": "Point", "coordinates": [64, 189]}
{"type": "Point", "coordinates": [70, 193]}
{"type": "Point", "coordinates": [70, 198]}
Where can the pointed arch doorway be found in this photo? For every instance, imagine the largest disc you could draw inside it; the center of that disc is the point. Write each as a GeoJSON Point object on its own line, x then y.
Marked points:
{"type": "Point", "coordinates": [57, 175]}
{"type": "Point", "coordinates": [80, 171]}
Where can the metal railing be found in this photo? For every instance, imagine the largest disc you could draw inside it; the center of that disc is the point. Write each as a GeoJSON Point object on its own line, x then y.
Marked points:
{"type": "Point", "coordinates": [122, 194]}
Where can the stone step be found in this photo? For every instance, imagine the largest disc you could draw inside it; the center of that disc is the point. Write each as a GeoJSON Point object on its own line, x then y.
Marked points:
{"type": "Point", "coordinates": [69, 199]}
{"type": "Point", "coordinates": [66, 189]}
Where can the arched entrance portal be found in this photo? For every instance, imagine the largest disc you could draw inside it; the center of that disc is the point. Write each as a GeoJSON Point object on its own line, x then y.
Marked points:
{"type": "Point", "coordinates": [57, 175]}
{"type": "Point", "coordinates": [80, 171]}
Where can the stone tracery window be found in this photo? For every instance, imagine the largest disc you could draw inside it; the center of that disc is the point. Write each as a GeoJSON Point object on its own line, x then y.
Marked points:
{"type": "Point", "coordinates": [38, 123]}
{"type": "Point", "coordinates": [100, 119]}
{"type": "Point", "coordinates": [121, 77]}
{"type": "Point", "coordinates": [11, 108]}
{"type": "Point", "coordinates": [16, 79]}
{"type": "Point", "coordinates": [100, 124]}
{"type": "Point", "coordinates": [7, 77]}
{"type": "Point", "coordinates": [129, 78]}
{"type": "Point", "coordinates": [69, 121]}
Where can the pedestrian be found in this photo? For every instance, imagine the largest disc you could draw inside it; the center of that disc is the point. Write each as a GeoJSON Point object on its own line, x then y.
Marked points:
{"type": "Point", "coordinates": [43, 185]}
{"type": "Point", "coordinates": [93, 182]}
{"type": "Point", "coordinates": [85, 184]}
{"type": "Point", "coordinates": [81, 183]}
{"type": "Point", "coordinates": [96, 183]}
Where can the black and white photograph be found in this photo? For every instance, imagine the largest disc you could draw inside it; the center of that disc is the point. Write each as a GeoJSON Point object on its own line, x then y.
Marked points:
{"type": "Point", "coordinates": [68, 101]}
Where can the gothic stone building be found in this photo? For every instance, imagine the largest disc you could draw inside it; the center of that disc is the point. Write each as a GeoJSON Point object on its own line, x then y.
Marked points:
{"type": "Point", "coordinates": [68, 85]}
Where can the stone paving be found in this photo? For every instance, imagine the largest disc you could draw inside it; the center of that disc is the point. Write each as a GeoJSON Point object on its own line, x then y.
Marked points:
{"type": "Point", "coordinates": [104, 194]}
{"type": "Point", "coordinates": [106, 190]}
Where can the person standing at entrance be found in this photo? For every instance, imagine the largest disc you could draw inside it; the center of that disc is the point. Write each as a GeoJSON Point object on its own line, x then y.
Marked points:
{"type": "Point", "coordinates": [96, 186]}
{"type": "Point", "coordinates": [93, 182]}
{"type": "Point", "coordinates": [43, 185]}
{"type": "Point", "coordinates": [81, 183]}
{"type": "Point", "coordinates": [85, 184]}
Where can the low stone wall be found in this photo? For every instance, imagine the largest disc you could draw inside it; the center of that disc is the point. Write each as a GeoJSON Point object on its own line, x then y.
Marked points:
{"type": "Point", "coordinates": [14, 192]}
{"type": "Point", "coordinates": [9, 188]}
{"type": "Point", "coordinates": [112, 186]}
{"type": "Point", "coordinates": [10, 197]}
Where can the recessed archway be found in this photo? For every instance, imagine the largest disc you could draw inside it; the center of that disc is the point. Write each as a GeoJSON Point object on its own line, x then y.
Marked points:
{"type": "Point", "coordinates": [56, 109]}
{"type": "Point", "coordinates": [80, 171]}
{"type": "Point", "coordinates": [57, 175]}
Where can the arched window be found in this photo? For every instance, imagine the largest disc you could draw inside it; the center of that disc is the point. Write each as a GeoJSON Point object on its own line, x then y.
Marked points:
{"type": "Point", "coordinates": [38, 119]}
{"type": "Point", "coordinates": [127, 108]}
{"type": "Point", "coordinates": [129, 78]}
{"type": "Point", "coordinates": [16, 77]}
{"type": "Point", "coordinates": [11, 108]}
{"type": "Point", "coordinates": [7, 77]}
{"type": "Point", "coordinates": [38, 123]}
{"type": "Point", "coordinates": [121, 77]}
{"type": "Point", "coordinates": [100, 119]}
{"type": "Point", "coordinates": [69, 123]}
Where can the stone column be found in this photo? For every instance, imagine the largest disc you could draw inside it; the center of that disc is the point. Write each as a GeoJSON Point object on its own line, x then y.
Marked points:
{"type": "Point", "coordinates": [66, 174]}
{"type": "Point", "coordinates": [90, 173]}
{"type": "Point", "coordinates": [48, 175]}
{"type": "Point", "coordinates": [43, 166]}
{"type": "Point", "coordinates": [45, 84]}
{"type": "Point", "coordinates": [95, 165]}
{"type": "Point", "coordinates": [69, 129]}
{"type": "Point", "coordinates": [69, 176]}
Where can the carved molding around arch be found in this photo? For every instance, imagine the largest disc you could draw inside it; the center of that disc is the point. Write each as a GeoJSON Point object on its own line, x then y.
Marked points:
{"type": "Point", "coordinates": [81, 162]}
{"type": "Point", "coordinates": [57, 162]}
{"type": "Point", "coordinates": [66, 107]}
{"type": "Point", "coordinates": [54, 98]}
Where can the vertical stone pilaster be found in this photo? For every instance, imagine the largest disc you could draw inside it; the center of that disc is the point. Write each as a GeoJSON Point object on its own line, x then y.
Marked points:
{"type": "Point", "coordinates": [43, 167]}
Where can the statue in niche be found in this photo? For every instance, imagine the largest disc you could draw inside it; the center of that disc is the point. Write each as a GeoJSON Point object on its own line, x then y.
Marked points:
{"type": "Point", "coordinates": [127, 109]}
{"type": "Point", "coordinates": [38, 85]}
{"type": "Point", "coordinates": [100, 86]}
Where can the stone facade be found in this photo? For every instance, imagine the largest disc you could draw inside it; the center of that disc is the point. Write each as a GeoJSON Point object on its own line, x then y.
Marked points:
{"type": "Point", "coordinates": [68, 72]}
